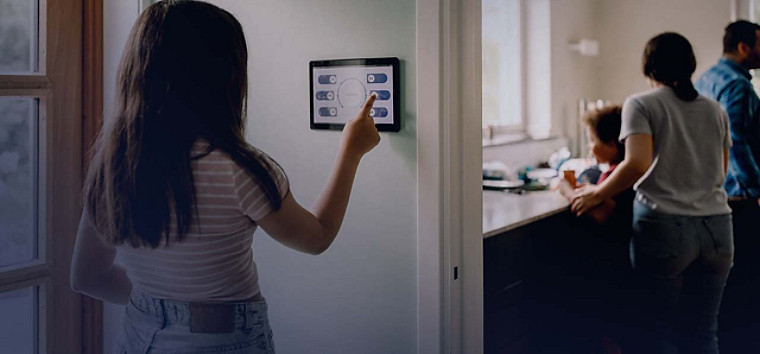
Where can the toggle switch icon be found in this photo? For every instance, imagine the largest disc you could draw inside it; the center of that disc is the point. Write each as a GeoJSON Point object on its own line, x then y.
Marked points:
{"type": "Point", "coordinates": [377, 78]}
{"type": "Point", "coordinates": [378, 112]}
{"type": "Point", "coordinates": [382, 95]}
{"type": "Point", "coordinates": [325, 95]}
{"type": "Point", "coordinates": [327, 79]}
{"type": "Point", "coordinates": [328, 111]}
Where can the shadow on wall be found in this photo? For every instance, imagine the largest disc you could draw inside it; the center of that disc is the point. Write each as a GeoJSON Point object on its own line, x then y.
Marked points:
{"type": "Point", "coordinates": [405, 141]}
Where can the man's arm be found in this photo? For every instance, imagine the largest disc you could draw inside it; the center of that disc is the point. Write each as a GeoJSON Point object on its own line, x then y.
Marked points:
{"type": "Point", "coordinates": [736, 99]}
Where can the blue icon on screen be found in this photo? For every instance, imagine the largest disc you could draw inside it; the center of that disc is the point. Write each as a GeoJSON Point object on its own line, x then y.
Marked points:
{"type": "Point", "coordinates": [325, 95]}
{"type": "Point", "coordinates": [377, 78]}
{"type": "Point", "coordinates": [382, 95]}
{"type": "Point", "coordinates": [327, 79]}
{"type": "Point", "coordinates": [378, 112]}
{"type": "Point", "coordinates": [328, 111]}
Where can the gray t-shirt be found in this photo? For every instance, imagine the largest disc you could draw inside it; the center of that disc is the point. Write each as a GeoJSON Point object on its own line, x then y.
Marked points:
{"type": "Point", "coordinates": [686, 176]}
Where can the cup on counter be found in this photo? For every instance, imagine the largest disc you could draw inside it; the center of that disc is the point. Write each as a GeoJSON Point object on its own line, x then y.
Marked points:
{"type": "Point", "coordinates": [569, 176]}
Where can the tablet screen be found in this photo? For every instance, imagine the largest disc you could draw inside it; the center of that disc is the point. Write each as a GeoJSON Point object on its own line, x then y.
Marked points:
{"type": "Point", "coordinates": [340, 87]}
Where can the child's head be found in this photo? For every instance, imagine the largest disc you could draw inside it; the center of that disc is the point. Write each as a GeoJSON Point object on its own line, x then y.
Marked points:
{"type": "Point", "coordinates": [184, 72]}
{"type": "Point", "coordinates": [183, 76]}
{"type": "Point", "coordinates": [603, 126]}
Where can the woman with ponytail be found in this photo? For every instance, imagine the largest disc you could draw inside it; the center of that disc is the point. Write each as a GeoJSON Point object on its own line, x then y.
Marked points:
{"type": "Point", "coordinates": [676, 153]}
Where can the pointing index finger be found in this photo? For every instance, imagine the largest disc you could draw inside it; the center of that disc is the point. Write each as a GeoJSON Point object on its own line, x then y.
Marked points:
{"type": "Point", "coordinates": [368, 105]}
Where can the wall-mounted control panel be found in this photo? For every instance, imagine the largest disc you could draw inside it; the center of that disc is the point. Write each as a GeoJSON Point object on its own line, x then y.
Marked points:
{"type": "Point", "coordinates": [340, 87]}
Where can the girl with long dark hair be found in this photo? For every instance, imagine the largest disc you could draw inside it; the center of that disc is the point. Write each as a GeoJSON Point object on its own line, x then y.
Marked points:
{"type": "Point", "coordinates": [676, 151]}
{"type": "Point", "coordinates": [177, 192]}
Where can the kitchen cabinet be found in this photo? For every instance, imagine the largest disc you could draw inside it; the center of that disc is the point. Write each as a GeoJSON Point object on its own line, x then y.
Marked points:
{"type": "Point", "coordinates": [555, 284]}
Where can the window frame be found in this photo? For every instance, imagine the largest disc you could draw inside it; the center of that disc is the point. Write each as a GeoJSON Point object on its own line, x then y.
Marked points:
{"type": "Point", "coordinates": [499, 134]}
{"type": "Point", "coordinates": [57, 83]}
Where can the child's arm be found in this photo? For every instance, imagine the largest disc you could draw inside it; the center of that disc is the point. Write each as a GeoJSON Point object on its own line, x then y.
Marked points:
{"type": "Point", "coordinates": [93, 271]}
{"type": "Point", "coordinates": [313, 232]}
{"type": "Point", "coordinates": [566, 189]}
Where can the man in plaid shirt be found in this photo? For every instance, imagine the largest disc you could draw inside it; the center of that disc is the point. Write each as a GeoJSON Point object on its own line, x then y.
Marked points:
{"type": "Point", "coordinates": [729, 82]}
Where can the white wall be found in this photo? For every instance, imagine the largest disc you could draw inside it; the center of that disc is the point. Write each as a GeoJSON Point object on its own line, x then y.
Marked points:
{"type": "Point", "coordinates": [625, 26]}
{"type": "Point", "coordinates": [572, 75]}
{"type": "Point", "coordinates": [361, 295]}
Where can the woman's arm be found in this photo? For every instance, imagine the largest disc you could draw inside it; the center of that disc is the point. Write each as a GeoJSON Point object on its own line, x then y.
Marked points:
{"type": "Point", "coordinates": [638, 159]}
{"type": "Point", "coordinates": [313, 233]}
{"type": "Point", "coordinates": [599, 213]}
{"type": "Point", "coordinates": [93, 271]}
{"type": "Point", "coordinates": [725, 162]}
{"type": "Point", "coordinates": [602, 212]}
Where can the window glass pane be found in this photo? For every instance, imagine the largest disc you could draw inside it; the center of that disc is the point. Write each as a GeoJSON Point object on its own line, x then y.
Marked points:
{"type": "Point", "coordinates": [19, 324]}
{"type": "Point", "coordinates": [502, 62]}
{"type": "Point", "coordinates": [18, 180]}
{"type": "Point", "coordinates": [18, 36]}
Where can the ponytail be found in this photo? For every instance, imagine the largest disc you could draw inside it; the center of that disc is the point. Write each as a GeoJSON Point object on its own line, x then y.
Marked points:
{"type": "Point", "coordinates": [669, 59]}
{"type": "Point", "coordinates": [685, 90]}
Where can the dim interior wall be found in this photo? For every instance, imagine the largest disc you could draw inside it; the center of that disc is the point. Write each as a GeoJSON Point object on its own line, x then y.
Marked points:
{"type": "Point", "coordinates": [522, 154]}
{"type": "Point", "coordinates": [573, 75]}
{"type": "Point", "coordinates": [626, 26]}
{"type": "Point", "coordinates": [360, 295]}
{"type": "Point", "coordinates": [118, 17]}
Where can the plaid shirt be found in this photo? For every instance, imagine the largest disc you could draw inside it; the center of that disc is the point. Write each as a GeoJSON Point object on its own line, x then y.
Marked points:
{"type": "Point", "coordinates": [729, 83]}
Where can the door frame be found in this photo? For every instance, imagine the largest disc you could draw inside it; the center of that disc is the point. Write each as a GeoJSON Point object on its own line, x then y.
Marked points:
{"type": "Point", "coordinates": [92, 120]}
{"type": "Point", "coordinates": [449, 159]}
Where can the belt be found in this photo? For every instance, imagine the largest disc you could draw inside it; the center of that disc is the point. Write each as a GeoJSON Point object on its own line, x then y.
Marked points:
{"type": "Point", "coordinates": [737, 198]}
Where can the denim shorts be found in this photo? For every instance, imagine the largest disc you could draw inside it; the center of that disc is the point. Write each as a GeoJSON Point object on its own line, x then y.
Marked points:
{"type": "Point", "coordinates": [153, 325]}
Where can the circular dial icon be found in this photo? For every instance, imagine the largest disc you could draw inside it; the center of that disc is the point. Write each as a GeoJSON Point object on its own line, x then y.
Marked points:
{"type": "Point", "coordinates": [351, 93]}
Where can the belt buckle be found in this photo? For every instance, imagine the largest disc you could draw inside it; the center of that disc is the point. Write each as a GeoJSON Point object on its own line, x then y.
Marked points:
{"type": "Point", "coordinates": [212, 318]}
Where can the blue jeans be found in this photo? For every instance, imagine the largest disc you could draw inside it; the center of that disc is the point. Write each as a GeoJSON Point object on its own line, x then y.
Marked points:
{"type": "Point", "coordinates": [683, 263]}
{"type": "Point", "coordinates": [153, 325]}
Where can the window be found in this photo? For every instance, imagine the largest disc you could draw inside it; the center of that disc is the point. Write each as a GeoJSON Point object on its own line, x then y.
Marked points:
{"type": "Point", "coordinates": [40, 176]}
{"type": "Point", "coordinates": [502, 66]}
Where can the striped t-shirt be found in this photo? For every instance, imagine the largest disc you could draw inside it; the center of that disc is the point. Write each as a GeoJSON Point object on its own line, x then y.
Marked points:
{"type": "Point", "coordinates": [214, 261]}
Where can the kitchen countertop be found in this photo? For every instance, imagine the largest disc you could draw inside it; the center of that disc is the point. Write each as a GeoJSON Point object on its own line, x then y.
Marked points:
{"type": "Point", "coordinates": [504, 211]}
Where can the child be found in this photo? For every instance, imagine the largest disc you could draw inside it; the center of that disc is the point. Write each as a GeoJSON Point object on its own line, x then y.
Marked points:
{"type": "Point", "coordinates": [176, 190]}
{"type": "Point", "coordinates": [606, 249]}
{"type": "Point", "coordinates": [603, 128]}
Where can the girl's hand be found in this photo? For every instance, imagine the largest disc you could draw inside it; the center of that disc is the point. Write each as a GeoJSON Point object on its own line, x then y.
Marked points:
{"type": "Point", "coordinates": [360, 135]}
{"type": "Point", "coordinates": [585, 199]}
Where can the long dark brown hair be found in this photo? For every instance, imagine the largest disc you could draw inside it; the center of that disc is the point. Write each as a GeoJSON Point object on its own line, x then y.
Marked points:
{"type": "Point", "coordinates": [183, 77]}
{"type": "Point", "coordinates": [669, 59]}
